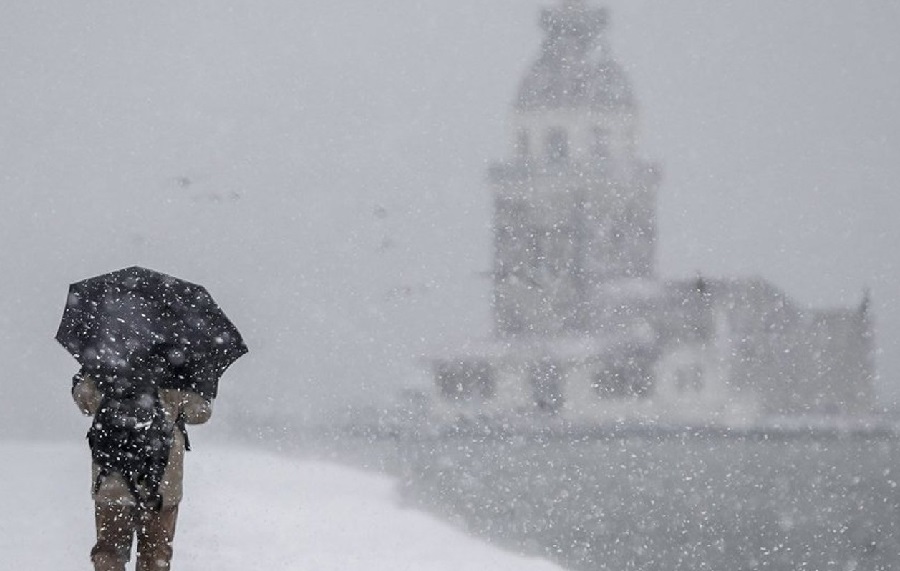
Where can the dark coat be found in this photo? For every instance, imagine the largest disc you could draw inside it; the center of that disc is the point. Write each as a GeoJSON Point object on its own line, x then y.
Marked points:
{"type": "Point", "coordinates": [190, 406]}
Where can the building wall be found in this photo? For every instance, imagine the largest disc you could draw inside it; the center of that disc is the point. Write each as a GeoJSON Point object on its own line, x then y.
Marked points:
{"type": "Point", "coordinates": [795, 361]}
{"type": "Point", "coordinates": [727, 352]}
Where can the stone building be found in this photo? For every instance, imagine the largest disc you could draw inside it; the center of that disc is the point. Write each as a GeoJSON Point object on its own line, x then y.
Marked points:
{"type": "Point", "coordinates": [583, 328]}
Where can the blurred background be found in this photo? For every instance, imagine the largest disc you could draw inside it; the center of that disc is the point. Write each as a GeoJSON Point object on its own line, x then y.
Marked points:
{"type": "Point", "coordinates": [320, 168]}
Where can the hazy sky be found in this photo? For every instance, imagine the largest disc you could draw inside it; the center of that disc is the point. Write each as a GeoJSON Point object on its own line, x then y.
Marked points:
{"type": "Point", "coordinates": [319, 166]}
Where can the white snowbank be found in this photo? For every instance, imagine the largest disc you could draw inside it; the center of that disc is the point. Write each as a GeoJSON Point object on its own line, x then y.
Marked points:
{"type": "Point", "coordinates": [243, 510]}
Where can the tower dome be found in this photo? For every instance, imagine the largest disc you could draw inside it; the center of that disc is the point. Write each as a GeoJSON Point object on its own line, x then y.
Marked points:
{"type": "Point", "coordinates": [575, 68]}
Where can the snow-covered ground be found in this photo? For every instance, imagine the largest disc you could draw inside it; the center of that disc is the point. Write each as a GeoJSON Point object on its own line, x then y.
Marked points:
{"type": "Point", "coordinates": [243, 510]}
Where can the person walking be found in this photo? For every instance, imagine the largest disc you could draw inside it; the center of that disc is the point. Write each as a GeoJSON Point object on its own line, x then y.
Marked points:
{"type": "Point", "coordinates": [152, 348]}
{"type": "Point", "coordinates": [118, 514]}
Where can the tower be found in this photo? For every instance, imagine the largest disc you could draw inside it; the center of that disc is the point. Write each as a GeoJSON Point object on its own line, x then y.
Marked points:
{"type": "Point", "coordinates": [574, 206]}
{"type": "Point", "coordinates": [583, 328]}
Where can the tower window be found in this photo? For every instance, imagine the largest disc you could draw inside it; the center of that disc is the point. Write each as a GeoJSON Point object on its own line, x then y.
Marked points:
{"type": "Point", "coordinates": [629, 377]}
{"type": "Point", "coordinates": [546, 386]}
{"type": "Point", "coordinates": [522, 146]}
{"type": "Point", "coordinates": [600, 143]}
{"type": "Point", "coordinates": [466, 381]}
{"type": "Point", "coordinates": [557, 145]}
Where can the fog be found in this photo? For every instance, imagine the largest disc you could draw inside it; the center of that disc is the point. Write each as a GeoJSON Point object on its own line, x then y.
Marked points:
{"type": "Point", "coordinates": [319, 167]}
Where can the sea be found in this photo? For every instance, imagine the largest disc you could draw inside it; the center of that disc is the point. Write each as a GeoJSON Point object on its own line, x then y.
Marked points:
{"type": "Point", "coordinates": [658, 501]}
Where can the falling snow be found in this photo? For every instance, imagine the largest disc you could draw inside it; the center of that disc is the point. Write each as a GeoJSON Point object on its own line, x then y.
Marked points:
{"type": "Point", "coordinates": [595, 285]}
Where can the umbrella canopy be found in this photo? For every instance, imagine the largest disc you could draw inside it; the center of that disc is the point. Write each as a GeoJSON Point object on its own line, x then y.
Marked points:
{"type": "Point", "coordinates": [136, 318]}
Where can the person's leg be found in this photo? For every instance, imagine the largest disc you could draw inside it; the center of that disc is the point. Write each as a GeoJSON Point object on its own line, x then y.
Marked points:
{"type": "Point", "coordinates": [156, 531]}
{"type": "Point", "coordinates": [115, 530]}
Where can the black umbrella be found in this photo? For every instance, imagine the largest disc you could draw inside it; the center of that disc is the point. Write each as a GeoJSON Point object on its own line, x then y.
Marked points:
{"type": "Point", "coordinates": [136, 318]}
